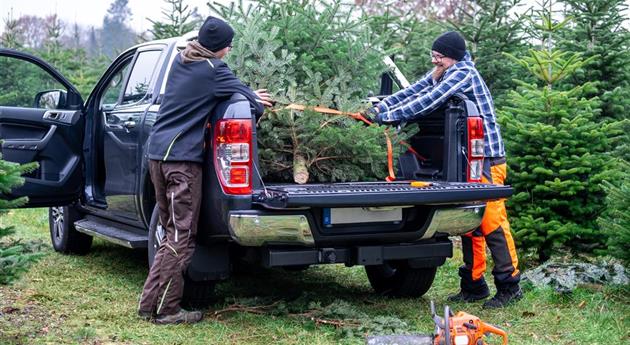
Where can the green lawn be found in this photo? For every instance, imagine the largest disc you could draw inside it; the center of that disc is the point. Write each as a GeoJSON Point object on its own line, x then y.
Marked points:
{"type": "Point", "coordinates": [92, 299]}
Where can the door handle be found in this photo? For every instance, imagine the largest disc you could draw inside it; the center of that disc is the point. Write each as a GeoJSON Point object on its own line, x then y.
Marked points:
{"type": "Point", "coordinates": [129, 124]}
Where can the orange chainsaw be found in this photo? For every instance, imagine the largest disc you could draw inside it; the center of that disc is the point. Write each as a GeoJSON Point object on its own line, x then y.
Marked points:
{"type": "Point", "coordinates": [462, 329]}
{"type": "Point", "coordinates": [459, 329]}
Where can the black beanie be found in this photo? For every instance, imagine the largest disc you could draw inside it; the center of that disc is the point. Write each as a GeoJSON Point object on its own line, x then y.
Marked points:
{"type": "Point", "coordinates": [450, 44]}
{"type": "Point", "coordinates": [215, 34]}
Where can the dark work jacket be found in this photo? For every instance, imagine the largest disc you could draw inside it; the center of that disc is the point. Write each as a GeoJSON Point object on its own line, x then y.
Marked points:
{"type": "Point", "coordinates": [192, 92]}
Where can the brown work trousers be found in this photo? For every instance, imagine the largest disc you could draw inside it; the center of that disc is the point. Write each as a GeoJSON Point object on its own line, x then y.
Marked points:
{"type": "Point", "coordinates": [494, 232]}
{"type": "Point", "coordinates": [178, 195]}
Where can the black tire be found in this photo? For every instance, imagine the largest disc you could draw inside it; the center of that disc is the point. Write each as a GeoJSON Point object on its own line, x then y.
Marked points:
{"type": "Point", "coordinates": [197, 294]}
{"type": "Point", "coordinates": [64, 236]}
{"type": "Point", "coordinates": [398, 279]}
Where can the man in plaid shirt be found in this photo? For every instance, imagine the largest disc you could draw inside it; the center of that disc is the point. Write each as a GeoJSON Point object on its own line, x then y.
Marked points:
{"type": "Point", "coordinates": [455, 72]}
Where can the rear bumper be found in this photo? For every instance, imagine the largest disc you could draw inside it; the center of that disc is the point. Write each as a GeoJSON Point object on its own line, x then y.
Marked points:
{"type": "Point", "coordinates": [419, 255]}
{"type": "Point", "coordinates": [257, 230]}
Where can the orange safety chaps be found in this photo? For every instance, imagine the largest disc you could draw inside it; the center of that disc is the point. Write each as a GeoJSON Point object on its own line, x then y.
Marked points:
{"type": "Point", "coordinates": [495, 232]}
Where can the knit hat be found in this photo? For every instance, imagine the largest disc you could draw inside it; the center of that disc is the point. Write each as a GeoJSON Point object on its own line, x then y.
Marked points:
{"type": "Point", "coordinates": [450, 44]}
{"type": "Point", "coordinates": [215, 34]}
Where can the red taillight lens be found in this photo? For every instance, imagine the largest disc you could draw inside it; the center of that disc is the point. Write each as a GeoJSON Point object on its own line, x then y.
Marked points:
{"type": "Point", "coordinates": [233, 156]}
{"type": "Point", "coordinates": [475, 149]}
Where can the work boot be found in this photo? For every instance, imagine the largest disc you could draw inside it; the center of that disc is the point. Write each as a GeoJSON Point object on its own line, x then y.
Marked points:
{"type": "Point", "coordinates": [503, 298]}
{"type": "Point", "coordinates": [182, 316]}
{"type": "Point", "coordinates": [145, 315]}
{"type": "Point", "coordinates": [470, 295]}
{"type": "Point", "coordinates": [464, 296]}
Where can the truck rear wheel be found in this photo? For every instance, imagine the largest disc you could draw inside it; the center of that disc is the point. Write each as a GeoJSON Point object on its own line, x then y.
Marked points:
{"type": "Point", "coordinates": [63, 235]}
{"type": "Point", "coordinates": [398, 279]}
{"type": "Point", "coordinates": [197, 294]}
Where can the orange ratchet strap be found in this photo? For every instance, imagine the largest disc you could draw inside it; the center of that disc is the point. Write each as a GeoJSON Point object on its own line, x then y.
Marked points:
{"type": "Point", "coordinates": [357, 116]}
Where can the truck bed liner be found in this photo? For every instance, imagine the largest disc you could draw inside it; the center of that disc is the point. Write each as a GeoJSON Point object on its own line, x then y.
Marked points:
{"type": "Point", "coordinates": [363, 194]}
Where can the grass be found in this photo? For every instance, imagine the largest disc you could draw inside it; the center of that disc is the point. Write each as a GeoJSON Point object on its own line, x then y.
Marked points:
{"type": "Point", "coordinates": [92, 299]}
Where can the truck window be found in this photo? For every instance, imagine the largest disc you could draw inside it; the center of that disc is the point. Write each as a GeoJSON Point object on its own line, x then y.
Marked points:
{"type": "Point", "coordinates": [24, 84]}
{"type": "Point", "coordinates": [141, 75]}
{"type": "Point", "coordinates": [114, 87]}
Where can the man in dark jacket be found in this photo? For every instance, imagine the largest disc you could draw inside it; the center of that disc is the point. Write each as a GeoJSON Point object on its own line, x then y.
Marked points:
{"type": "Point", "coordinates": [197, 82]}
{"type": "Point", "coordinates": [455, 72]}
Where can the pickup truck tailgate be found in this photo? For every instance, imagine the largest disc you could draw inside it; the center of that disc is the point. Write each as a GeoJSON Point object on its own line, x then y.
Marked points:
{"type": "Point", "coordinates": [364, 194]}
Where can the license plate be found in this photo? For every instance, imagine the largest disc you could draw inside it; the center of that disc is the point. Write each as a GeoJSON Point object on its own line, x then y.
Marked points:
{"type": "Point", "coordinates": [338, 216]}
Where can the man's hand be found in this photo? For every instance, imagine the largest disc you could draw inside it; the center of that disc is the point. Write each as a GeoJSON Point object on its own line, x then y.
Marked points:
{"type": "Point", "coordinates": [383, 120]}
{"type": "Point", "coordinates": [371, 114]}
{"type": "Point", "coordinates": [264, 98]}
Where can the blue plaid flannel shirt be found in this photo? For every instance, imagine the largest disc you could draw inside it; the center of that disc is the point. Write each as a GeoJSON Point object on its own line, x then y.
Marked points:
{"type": "Point", "coordinates": [426, 95]}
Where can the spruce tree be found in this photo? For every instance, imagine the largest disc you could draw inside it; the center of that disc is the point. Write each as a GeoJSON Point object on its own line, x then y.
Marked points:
{"type": "Point", "coordinates": [179, 19]}
{"type": "Point", "coordinates": [15, 257]}
{"type": "Point", "coordinates": [317, 53]}
{"type": "Point", "coordinates": [558, 152]}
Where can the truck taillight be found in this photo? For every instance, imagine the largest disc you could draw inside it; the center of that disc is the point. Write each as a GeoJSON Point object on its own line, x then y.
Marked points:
{"type": "Point", "coordinates": [233, 155]}
{"type": "Point", "coordinates": [475, 149]}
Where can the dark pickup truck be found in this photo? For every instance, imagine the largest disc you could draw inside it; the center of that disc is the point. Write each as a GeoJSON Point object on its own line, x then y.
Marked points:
{"type": "Point", "coordinates": [93, 175]}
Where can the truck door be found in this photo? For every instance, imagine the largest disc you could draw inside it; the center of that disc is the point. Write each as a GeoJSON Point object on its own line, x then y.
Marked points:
{"type": "Point", "coordinates": [122, 124]}
{"type": "Point", "coordinates": [41, 120]}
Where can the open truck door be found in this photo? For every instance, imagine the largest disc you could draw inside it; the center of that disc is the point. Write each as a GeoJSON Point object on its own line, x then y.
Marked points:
{"type": "Point", "coordinates": [41, 120]}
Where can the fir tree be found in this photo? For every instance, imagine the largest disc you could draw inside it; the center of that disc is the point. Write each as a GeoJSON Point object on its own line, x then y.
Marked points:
{"type": "Point", "coordinates": [557, 150]}
{"type": "Point", "coordinates": [406, 38]}
{"type": "Point", "coordinates": [317, 53]}
{"type": "Point", "coordinates": [492, 28]}
{"type": "Point", "coordinates": [597, 29]}
{"type": "Point", "coordinates": [15, 257]}
{"type": "Point", "coordinates": [615, 222]}
{"type": "Point", "coordinates": [179, 20]}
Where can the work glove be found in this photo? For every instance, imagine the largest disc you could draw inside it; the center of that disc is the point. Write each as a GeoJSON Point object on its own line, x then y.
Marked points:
{"type": "Point", "coordinates": [370, 114]}
{"type": "Point", "coordinates": [383, 120]}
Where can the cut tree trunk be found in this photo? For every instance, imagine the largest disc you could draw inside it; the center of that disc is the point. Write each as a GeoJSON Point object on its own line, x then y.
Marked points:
{"type": "Point", "coordinates": [300, 170]}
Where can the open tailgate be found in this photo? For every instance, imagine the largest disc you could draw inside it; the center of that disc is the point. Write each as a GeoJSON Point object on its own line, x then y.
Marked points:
{"type": "Point", "coordinates": [362, 194]}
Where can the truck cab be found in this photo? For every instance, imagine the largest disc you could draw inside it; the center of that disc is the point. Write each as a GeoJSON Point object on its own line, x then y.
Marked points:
{"type": "Point", "coordinates": [93, 174]}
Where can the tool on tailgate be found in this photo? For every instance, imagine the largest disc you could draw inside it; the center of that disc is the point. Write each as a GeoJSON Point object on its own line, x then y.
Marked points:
{"type": "Point", "coordinates": [459, 329]}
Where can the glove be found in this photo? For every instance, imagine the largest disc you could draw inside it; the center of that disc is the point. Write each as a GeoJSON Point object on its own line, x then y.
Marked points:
{"type": "Point", "coordinates": [384, 121]}
{"type": "Point", "coordinates": [370, 114]}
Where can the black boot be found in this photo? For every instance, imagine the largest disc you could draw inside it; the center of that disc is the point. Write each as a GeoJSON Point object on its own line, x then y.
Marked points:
{"type": "Point", "coordinates": [504, 297]}
{"type": "Point", "coordinates": [470, 296]}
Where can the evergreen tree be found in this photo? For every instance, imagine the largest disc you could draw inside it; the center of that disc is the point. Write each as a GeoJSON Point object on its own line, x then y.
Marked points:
{"type": "Point", "coordinates": [407, 38]}
{"type": "Point", "coordinates": [558, 151]}
{"type": "Point", "coordinates": [318, 53]}
{"type": "Point", "coordinates": [15, 257]}
{"type": "Point", "coordinates": [615, 222]}
{"type": "Point", "coordinates": [491, 28]}
{"type": "Point", "coordinates": [11, 36]}
{"type": "Point", "coordinates": [597, 29]}
{"type": "Point", "coordinates": [93, 48]}
{"type": "Point", "coordinates": [179, 19]}
{"type": "Point", "coordinates": [116, 35]}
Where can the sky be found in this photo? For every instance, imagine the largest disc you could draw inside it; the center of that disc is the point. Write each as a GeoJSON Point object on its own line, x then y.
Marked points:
{"type": "Point", "coordinates": [91, 12]}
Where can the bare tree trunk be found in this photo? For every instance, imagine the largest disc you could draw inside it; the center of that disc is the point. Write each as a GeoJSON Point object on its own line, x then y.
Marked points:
{"type": "Point", "coordinates": [300, 170]}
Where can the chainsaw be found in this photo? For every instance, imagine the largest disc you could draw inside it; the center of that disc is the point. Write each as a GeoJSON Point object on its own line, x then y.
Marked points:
{"type": "Point", "coordinates": [459, 329]}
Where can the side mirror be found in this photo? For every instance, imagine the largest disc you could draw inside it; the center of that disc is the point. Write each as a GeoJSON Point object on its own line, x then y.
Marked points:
{"type": "Point", "coordinates": [50, 99]}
